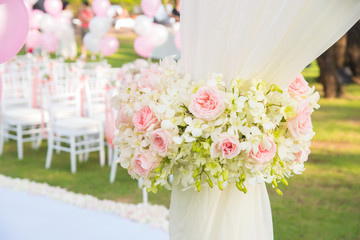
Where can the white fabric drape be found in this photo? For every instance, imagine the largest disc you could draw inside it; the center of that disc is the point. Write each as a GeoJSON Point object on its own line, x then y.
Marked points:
{"type": "Point", "coordinates": [268, 39]}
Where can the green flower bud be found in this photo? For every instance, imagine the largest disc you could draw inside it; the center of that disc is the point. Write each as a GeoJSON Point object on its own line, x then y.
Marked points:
{"type": "Point", "coordinates": [278, 191]}
{"type": "Point", "coordinates": [239, 186]}
{"type": "Point", "coordinates": [274, 183]}
{"type": "Point", "coordinates": [157, 170]}
{"type": "Point", "coordinates": [290, 112]}
{"type": "Point", "coordinates": [245, 190]}
{"type": "Point", "coordinates": [210, 183]}
{"type": "Point", "coordinates": [274, 88]}
{"type": "Point", "coordinates": [225, 174]}
{"type": "Point", "coordinates": [283, 180]}
{"type": "Point", "coordinates": [196, 173]}
{"type": "Point", "coordinates": [198, 185]}
{"type": "Point", "coordinates": [277, 133]}
{"type": "Point", "coordinates": [281, 163]}
{"type": "Point", "coordinates": [221, 186]}
{"type": "Point", "coordinates": [242, 177]}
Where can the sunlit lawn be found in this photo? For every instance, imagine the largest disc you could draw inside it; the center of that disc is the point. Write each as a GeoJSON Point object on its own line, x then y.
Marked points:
{"type": "Point", "coordinates": [323, 203]}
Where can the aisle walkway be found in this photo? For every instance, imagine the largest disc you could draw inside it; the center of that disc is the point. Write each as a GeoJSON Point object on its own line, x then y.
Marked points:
{"type": "Point", "coordinates": [24, 216]}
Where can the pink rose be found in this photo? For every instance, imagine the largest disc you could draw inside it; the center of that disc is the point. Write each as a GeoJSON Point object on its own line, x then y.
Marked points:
{"type": "Point", "coordinates": [264, 154]}
{"type": "Point", "coordinates": [303, 155]}
{"type": "Point", "coordinates": [301, 124]}
{"type": "Point", "coordinates": [299, 87]}
{"type": "Point", "coordinates": [226, 146]}
{"type": "Point", "coordinates": [122, 117]}
{"type": "Point", "coordinates": [144, 162]}
{"type": "Point", "coordinates": [148, 78]}
{"type": "Point", "coordinates": [144, 119]}
{"type": "Point", "coordinates": [207, 104]}
{"type": "Point", "coordinates": [160, 140]}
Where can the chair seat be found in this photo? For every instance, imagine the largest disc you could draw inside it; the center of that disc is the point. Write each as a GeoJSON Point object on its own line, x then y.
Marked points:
{"type": "Point", "coordinates": [76, 125]}
{"type": "Point", "coordinates": [25, 116]}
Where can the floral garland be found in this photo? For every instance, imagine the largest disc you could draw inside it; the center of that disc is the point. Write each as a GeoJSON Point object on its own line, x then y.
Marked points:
{"type": "Point", "coordinates": [210, 133]}
{"type": "Point", "coordinates": [154, 215]}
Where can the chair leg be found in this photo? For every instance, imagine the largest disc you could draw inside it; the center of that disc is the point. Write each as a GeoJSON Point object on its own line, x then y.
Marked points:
{"type": "Point", "coordinates": [113, 171]}
{"type": "Point", "coordinates": [2, 138]}
{"type": "Point", "coordinates": [102, 147]}
{"type": "Point", "coordinates": [39, 139]}
{"type": "Point", "coordinates": [19, 138]}
{"type": "Point", "coordinates": [110, 154]}
{"type": "Point", "coordinates": [73, 154]}
{"type": "Point", "coordinates": [49, 151]}
{"type": "Point", "coordinates": [58, 144]}
{"type": "Point", "coordinates": [81, 147]}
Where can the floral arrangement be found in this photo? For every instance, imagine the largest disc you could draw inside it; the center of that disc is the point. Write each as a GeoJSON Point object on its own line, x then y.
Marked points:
{"type": "Point", "coordinates": [209, 133]}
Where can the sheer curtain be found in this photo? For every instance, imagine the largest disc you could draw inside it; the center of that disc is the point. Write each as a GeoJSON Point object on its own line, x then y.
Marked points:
{"type": "Point", "coordinates": [268, 39]}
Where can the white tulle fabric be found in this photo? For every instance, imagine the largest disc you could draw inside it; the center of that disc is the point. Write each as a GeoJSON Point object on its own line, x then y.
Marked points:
{"type": "Point", "coordinates": [268, 39]}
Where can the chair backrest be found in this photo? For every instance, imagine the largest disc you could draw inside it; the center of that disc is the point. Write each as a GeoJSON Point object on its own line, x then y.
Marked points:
{"type": "Point", "coordinates": [61, 102]}
{"type": "Point", "coordinates": [16, 89]}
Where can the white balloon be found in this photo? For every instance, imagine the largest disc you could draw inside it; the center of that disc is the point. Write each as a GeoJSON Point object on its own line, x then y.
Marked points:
{"type": "Point", "coordinates": [92, 42]}
{"type": "Point", "coordinates": [158, 35]}
{"type": "Point", "coordinates": [99, 26]}
{"type": "Point", "coordinates": [143, 25]}
{"type": "Point", "coordinates": [48, 23]}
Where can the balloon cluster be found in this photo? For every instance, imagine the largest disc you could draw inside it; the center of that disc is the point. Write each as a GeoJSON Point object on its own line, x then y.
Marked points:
{"type": "Point", "coordinates": [151, 34]}
{"type": "Point", "coordinates": [95, 40]}
{"type": "Point", "coordinates": [54, 26]}
{"type": "Point", "coordinates": [14, 25]}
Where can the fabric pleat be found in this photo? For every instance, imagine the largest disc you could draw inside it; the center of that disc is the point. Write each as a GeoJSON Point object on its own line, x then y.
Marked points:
{"type": "Point", "coordinates": [269, 39]}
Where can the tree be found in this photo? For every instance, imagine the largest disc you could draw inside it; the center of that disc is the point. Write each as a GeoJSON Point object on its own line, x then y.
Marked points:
{"type": "Point", "coordinates": [341, 63]}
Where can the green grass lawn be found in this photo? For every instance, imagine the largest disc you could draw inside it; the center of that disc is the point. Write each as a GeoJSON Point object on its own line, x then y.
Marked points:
{"type": "Point", "coordinates": [323, 203]}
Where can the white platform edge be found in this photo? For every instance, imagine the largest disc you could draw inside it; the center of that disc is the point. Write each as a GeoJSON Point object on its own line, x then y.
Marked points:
{"type": "Point", "coordinates": [154, 215]}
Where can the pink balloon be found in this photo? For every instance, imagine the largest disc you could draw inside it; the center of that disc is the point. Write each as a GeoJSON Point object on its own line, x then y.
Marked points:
{"type": "Point", "coordinates": [53, 7]}
{"type": "Point", "coordinates": [109, 45]}
{"type": "Point", "coordinates": [49, 42]}
{"type": "Point", "coordinates": [28, 6]}
{"type": "Point", "coordinates": [177, 41]}
{"type": "Point", "coordinates": [35, 18]}
{"type": "Point", "coordinates": [100, 7]}
{"type": "Point", "coordinates": [150, 7]}
{"type": "Point", "coordinates": [14, 27]}
{"type": "Point", "coordinates": [33, 39]}
{"type": "Point", "coordinates": [143, 46]}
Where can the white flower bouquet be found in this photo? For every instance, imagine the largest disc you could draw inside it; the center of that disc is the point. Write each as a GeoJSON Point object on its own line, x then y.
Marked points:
{"type": "Point", "coordinates": [210, 133]}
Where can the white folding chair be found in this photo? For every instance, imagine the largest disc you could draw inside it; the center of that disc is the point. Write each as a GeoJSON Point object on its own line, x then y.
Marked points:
{"type": "Point", "coordinates": [70, 132]}
{"type": "Point", "coordinates": [20, 121]}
